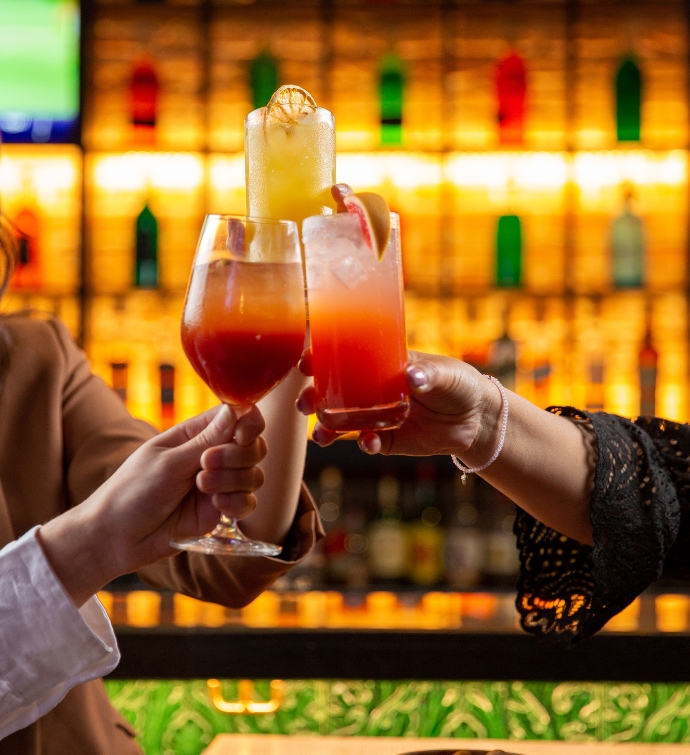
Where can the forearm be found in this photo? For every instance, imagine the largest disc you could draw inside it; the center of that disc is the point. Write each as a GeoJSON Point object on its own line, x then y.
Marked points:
{"type": "Point", "coordinates": [286, 438]}
{"type": "Point", "coordinates": [77, 550]}
{"type": "Point", "coordinates": [545, 466]}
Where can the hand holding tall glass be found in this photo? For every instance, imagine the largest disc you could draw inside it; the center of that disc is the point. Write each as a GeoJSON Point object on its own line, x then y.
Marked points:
{"type": "Point", "coordinates": [243, 329]}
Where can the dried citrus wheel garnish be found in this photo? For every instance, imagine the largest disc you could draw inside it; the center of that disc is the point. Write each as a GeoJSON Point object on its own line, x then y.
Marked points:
{"type": "Point", "coordinates": [374, 217]}
{"type": "Point", "coordinates": [289, 105]}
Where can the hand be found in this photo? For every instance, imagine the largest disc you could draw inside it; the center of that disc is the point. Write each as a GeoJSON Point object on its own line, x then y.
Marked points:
{"type": "Point", "coordinates": [173, 486]}
{"type": "Point", "coordinates": [453, 409]}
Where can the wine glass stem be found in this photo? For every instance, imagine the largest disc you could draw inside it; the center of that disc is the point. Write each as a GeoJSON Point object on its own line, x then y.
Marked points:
{"type": "Point", "coordinates": [227, 528]}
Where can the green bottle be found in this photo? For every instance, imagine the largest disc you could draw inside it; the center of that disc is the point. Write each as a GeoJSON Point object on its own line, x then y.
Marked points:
{"type": "Point", "coordinates": [391, 97]}
{"type": "Point", "coordinates": [146, 250]}
{"type": "Point", "coordinates": [263, 78]}
{"type": "Point", "coordinates": [628, 101]}
{"type": "Point", "coordinates": [508, 251]}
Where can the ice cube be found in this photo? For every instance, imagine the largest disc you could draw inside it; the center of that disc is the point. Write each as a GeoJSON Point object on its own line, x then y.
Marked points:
{"type": "Point", "coordinates": [349, 270]}
{"type": "Point", "coordinates": [316, 276]}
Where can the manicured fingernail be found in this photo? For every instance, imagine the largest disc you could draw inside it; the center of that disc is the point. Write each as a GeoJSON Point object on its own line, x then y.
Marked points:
{"type": "Point", "coordinates": [417, 376]}
{"type": "Point", "coordinates": [299, 405]}
{"type": "Point", "coordinates": [343, 189]}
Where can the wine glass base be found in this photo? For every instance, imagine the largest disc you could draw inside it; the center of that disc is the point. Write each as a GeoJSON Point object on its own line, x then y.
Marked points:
{"type": "Point", "coordinates": [226, 546]}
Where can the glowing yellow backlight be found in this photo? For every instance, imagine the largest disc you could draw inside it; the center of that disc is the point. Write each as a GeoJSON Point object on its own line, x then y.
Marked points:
{"type": "Point", "coordinates": [133, 170]}
{"type": "Point", "coordinates": [536, 170]}
{"type": "Point", "coordinates": [595, 170]}
{"type": "Point", "coordinates": [406, 171]}
{"type": "Point", "coordinates": [227, 173]}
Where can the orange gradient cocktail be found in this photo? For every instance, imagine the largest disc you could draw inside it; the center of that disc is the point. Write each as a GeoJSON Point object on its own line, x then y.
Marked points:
{"type": "Point", "coordinates": [243, 329]}
{"type": "Point", "coordinates": [356, 325]}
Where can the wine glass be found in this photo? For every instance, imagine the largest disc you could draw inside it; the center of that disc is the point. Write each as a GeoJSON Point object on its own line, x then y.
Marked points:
{"type": "Point", "coordinates": [243, 329]}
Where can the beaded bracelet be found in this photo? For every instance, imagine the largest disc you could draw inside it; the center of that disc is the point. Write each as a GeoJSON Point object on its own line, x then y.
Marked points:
{"type": "Point", "coordinates": [504, 423]}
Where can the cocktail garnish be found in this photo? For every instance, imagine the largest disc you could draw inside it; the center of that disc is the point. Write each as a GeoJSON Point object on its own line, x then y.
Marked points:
{"type": "Point", "coordinates": [374, 217]}
{"type": "Point", "coordinates": [289, 105]}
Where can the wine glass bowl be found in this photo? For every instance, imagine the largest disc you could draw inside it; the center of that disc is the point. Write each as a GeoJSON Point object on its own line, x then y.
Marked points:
{"type": "Point", "coordinates": [243, 328]}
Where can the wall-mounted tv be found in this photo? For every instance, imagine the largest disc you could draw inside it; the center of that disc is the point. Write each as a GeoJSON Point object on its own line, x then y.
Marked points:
{"type": "Point", "coordinates": [39, 70]}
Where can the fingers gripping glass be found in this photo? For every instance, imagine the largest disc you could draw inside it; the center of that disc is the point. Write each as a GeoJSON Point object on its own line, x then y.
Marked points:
{"type": "Point", "coordinates": [243, 329]}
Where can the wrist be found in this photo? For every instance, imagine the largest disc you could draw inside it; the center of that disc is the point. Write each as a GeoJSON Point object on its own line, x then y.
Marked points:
{"type": "Point", "coordinates": [76, 547]}
{"type": "Point", "coordinates": [487, 437]}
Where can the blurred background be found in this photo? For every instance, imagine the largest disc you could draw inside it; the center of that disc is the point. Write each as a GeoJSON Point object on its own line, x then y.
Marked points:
{"type": "Point", "coordinates": [536, 150]}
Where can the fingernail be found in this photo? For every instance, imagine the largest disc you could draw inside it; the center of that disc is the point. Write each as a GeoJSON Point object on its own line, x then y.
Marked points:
{"type": "Point", "coordinates": [417, 377]}
{"type": "Point", "coordinates": [367, 442]}
{"type": "Point", "coordinates": [343, 189]}
{"type": "Point", "coordinates": [300, 407]}
{"type": "Point", "coordinates": [223, 419]}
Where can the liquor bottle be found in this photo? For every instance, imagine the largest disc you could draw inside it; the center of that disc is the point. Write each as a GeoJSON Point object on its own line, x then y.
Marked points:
{"type": "Point", "coordinates": [391, 99]}
{"type": "Point", "coordinates": [627, 244]}
{"type": "Point", "coordinates": [511, 93]}
{"type": "Point", "coordinates": [628, 101]}
{"type": "Point", "coordinates": [388, 561]}
{"type": "Point", "coordinates": [648, 359]}
{"type": "Point", "coordinates": [263, 78]}
{"type": "Point", "coordinates": [27, 272]}
{"type": "Point", "coordinates": [146, 249]}
{"type": "Point", "coordinates": [508, 251]}
{"type": "Point", "coordinates": [426, 535]}
{"type": "Point", "coordinates": [119, 377]}
{"type": "Point", "coordinates": [333, 519]}
{"type": "Point", "coordinates": [167, 382]}
{"type": "Point", "coordinates": [144, 88]}
{"type": "Point", "coordinates": [503, 360]}
{"type": "Point", "coordinates": [464, 545]}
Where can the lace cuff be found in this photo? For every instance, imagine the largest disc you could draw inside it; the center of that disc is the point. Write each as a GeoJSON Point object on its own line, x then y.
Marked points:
{"type": "Point", "coordinates": [568, 590]}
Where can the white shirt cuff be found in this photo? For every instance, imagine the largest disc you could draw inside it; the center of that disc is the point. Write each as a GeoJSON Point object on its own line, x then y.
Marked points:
{"type": "Point", "coordinates": [47, 646]}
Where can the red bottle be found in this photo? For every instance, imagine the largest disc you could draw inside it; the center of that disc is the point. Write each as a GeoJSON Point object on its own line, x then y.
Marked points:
{"type": "Point", "coordinates": [511, 92]}
{"type": "Point", "coordinates": [647, 367]}
{"type": "Point", "coordinates": [144, 89]}
{"type": "Point", "coordinates": [27, 271]}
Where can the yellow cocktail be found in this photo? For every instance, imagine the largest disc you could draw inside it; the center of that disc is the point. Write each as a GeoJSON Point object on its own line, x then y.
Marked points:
{"type": "Point", "coordinates": [289, 149]}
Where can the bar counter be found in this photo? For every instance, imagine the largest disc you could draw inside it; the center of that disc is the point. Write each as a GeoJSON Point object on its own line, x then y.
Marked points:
{"type": "Point", "coordinates": [237, 744]}
{"type": "Point", "coordinates": [237, 652]}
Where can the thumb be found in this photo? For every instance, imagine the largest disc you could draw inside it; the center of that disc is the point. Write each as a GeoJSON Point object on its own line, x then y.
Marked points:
{"type": "Point", "coordinates": [188, 440]}
{"type": "Point", "coordinates": [442, 384]}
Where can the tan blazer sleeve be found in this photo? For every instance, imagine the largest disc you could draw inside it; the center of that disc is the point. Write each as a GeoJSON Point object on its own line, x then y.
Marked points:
{"type": "Point", "coordinates": [98, 431]}
{"type": "Point", "coordinates": [99, 434]}
{"type": "Point", "coordinates": [234, 581]}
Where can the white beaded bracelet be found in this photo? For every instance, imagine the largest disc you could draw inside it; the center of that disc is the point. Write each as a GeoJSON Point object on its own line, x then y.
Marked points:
{"type": "Point", "coordinates": [504, 423]}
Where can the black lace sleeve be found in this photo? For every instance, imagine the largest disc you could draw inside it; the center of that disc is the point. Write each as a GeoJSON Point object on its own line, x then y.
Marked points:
{"type": "Point", "coordinates": [640, 515]}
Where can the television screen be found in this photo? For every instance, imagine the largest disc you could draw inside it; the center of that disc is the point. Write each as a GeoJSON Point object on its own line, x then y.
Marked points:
{"type": "Point", "coordinates": [39, 70]}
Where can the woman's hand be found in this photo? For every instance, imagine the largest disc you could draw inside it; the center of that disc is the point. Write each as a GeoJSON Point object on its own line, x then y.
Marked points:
{"type": "Point", "coordinates": [173, 486]}
{"type": "Point", "coordinates": [453, 409]}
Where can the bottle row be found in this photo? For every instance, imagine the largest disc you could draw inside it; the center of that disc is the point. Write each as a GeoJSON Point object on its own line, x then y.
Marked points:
{"type": "Point", "coordinates": [426, 77]}
{"type": "Point", "coordinates": [626, 353]}
{"type": "Point", "coordinates": [546, 222]}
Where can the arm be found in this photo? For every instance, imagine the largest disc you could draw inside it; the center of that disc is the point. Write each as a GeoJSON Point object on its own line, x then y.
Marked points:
{"type": "Point", "coordinates": [53, 634]}
{"type": "Point", "coordinates": [99, 434]}
{"type": "Point", "coordinates": [545, 465]}
{"type": "Point", "coordinates": [597, 478]}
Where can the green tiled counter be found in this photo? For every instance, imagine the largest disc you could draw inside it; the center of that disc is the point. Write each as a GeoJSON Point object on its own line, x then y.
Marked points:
{"type": "Point", "coordinates": [178, 718]}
